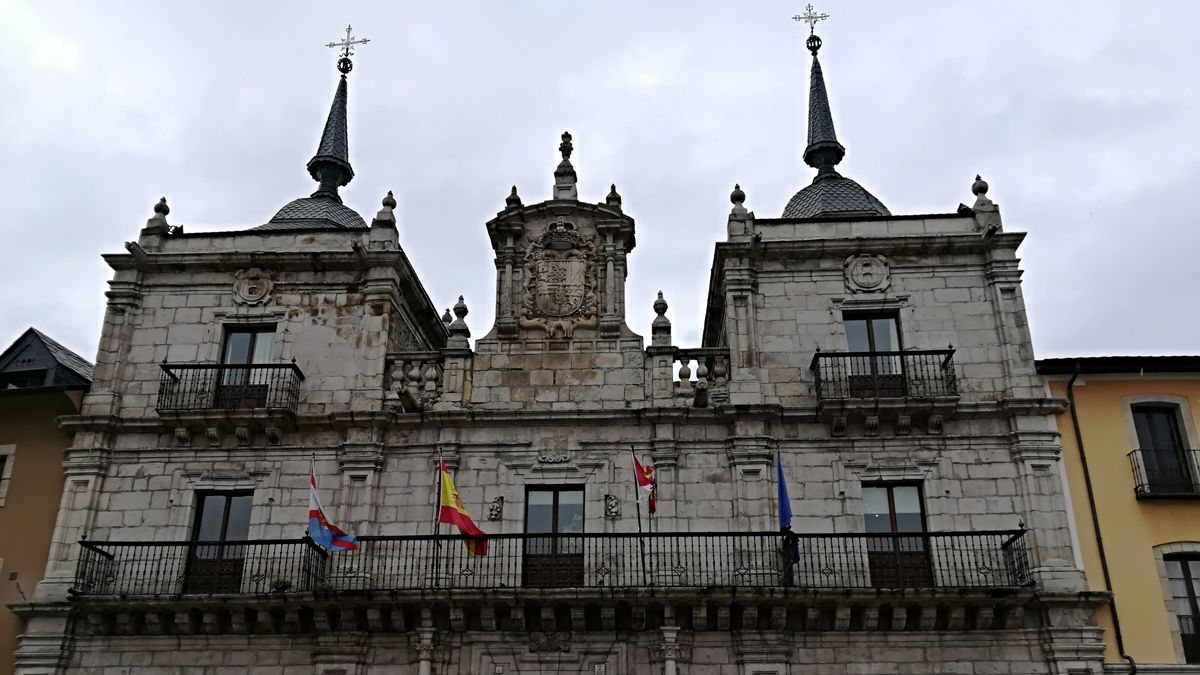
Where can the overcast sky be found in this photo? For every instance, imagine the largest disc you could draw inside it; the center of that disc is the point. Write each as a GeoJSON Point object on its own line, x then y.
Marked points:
{"type": "Point", "coordinates": [1083, 117]}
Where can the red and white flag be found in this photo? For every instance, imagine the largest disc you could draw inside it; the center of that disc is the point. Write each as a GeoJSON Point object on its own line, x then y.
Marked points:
{"type": "Point", "coordinates": [647, 486]}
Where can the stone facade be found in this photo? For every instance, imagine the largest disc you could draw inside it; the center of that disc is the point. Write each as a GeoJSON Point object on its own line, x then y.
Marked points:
{"type": "Point", "coordinates": [355, 373]}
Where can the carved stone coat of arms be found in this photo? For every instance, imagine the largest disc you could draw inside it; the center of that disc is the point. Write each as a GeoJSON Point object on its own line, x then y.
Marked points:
{"type": "Point", "coordinates": [560, 288]}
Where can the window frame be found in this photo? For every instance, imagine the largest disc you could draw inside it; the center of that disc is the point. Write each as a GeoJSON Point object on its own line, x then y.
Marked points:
{"type": "Point", "coordinates": [254, 330]}
{"type": "Point", "coordinates": [890, 486]}
{"type": "Point", "coordinates": [1173, 412]}
{"type": "Point", "coordinates": [198, 512]}
{"type": "Point", "coordinates": [870, 316]}
{"type": "Point", "coordinates": [9, 453]}
{"type": "Point", "coordinates": [556, 489]}
{"type": "Point", "coordinates": [1193, 596]}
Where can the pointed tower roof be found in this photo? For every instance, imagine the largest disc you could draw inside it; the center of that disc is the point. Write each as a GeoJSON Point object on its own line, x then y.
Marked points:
{"type": "Point", "coordinates": [830, 194]}
{"type": "Point", "coordinates": [330, 167]}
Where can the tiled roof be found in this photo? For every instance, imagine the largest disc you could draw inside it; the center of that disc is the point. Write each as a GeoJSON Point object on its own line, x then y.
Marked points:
{"type": "Point", "coordinates": [335, 140]}
{"type": "Point", "coordinates": [834, 196]}
{"type": "Point", "coordinates": [314, 212]}
{"type": "Point", "coordinates": [65, 357]}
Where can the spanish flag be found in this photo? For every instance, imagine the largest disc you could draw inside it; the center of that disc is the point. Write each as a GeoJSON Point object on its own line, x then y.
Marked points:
{"type": "Point", "coordinates": [453, 512]}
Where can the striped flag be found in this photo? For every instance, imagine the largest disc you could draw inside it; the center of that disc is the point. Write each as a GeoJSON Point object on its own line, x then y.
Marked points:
{"type": "Point", "coordinates": [452, 512]}
{"type": "Point", "coordinates": [324, 533]}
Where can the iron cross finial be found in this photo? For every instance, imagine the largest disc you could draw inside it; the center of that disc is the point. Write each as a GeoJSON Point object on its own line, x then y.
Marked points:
{"type": "Point", "coordinates": [811, 18]}
{"type": "Point", "coordinates": [347, 47]}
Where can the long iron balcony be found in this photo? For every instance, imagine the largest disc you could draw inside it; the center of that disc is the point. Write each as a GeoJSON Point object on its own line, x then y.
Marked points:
{"type": "Point", "coordinates": [957, 560]}
{"type": "Point", "coordinates": [1166, 472]}
{"type": "Point", "coordinates": [194, 387]}
{"type": "Point", "coordinates": [913, 374]}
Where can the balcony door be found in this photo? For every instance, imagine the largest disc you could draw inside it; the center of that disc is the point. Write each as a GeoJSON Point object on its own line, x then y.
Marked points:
{"type": "Point", "coordinates": [217, 557]}
{"type": "Point", "coordinates": [1183, 574]}
{"type": "Point", "coordinates": [241, 386]}
{"type": "Point", "coordinates": [896, 561]}
{"type": "Point", "coordinates": [554, 560]}
{"type": "Point", "coordinates": [1162, 450]}
{"type": "Point", "coordinates": [876, 369]}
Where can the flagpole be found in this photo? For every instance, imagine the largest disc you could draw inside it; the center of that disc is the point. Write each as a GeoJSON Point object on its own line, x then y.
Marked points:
{"type": "Point", "coordinates": [437, 520]}
{"type": "Point", "coordinates": [637, 504]}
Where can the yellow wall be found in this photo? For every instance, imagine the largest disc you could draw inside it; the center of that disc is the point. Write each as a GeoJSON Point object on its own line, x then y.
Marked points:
{"type": "Point", "coordinates": [1130, 528]}
{"type": "Point", "coordinates": [27, 420]}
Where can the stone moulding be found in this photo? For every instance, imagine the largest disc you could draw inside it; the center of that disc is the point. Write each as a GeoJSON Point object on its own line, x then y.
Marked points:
{"type": "Point", "coordinates": [695, 610]}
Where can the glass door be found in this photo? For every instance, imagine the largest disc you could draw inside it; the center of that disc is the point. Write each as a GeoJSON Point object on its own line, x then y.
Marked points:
{"type": "Point", "coordinates": [241, 385]}
{"type": "Point", "coordinates": [1162, 450]}
{"type": "Point", "coordinates": [877, 370]}
{"type": "Point", "coordinates": [554, 560]}
{"type": "Point", "coordinates": [896, 561]}
{"type": "Point", "coordinates": [216, 560]}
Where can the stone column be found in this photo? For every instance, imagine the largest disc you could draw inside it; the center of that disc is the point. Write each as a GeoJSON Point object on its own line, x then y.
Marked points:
{"type": "Point", "coordinates": [741, 329]}
{"type": "Point", "coordinates": [425, 651]}
{"type": "Point", "coordinates": [670, 650]}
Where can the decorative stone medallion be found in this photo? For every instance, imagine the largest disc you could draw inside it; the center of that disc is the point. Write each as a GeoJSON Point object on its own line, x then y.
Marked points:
{"type": "Point", "coordinates": [252, 286]}
{"type": "Point", "coordinates": [866, 273]}
{"type": "Point", "coordinates": [560, 288]}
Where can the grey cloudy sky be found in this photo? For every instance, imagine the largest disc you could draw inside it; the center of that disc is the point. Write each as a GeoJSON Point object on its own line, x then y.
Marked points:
{"type": "Point", "coordinates": [1081, 115]}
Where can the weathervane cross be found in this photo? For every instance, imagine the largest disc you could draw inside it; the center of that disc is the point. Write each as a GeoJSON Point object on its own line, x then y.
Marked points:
{"type": "Point", "coordinates": [347, 45]}
{"type": "Point", "coordinates": [809, 17]}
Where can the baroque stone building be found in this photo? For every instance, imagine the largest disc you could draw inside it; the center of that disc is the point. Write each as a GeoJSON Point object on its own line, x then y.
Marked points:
{"type": "Point", "coordinates": [884, 359]}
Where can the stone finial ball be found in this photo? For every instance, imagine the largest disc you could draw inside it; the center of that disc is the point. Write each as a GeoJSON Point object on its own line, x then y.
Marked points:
{"type": "Point", "coordinates": [390, 200]}
{"type": "Point", "coordinates": [161, 207]}
{"type": "Point", "coordinates": [513, 199]}
{"type": "Point", "coordinates": [660, 305]}
{"type": "Point", "coordinates": [737, 196]}
{"type": "Point", "coordinates": [979, 187]}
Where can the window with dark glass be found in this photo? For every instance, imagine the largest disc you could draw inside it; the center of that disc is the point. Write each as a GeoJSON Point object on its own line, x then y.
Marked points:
{"type": "Point", "coordinates": [1183, 575]}
{"type": "Point", "coordinates": [241, 384]}
{"type": "Point", "coordinates": [873, 341]}
{"type": "Point", "coordinates": [554, 560]}
{"type": "Point", "coordinates": [896, 561]}
{"type": "Point", "coordinates": [1161, 449]}
{"type": "Point", "coordinates": [222, 520]}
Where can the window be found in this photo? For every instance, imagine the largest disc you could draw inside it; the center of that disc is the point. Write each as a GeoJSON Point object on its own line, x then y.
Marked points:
{"type": "Point", "coordinates": [896, 561]}
{"type": "Point", "coordinates": [1161, 449]}
{"type": "Point", "coordinates": [555, 560]}
{"type": "Point", "coordinates": [215, 566]}
{"type": "Point", "coordinates": [1183, 575]}
{"type": "Point", "coordinates": [875, 369]}
{"type": "Point", "coordinates": [6, 467]}
{"type": "Point", "coordinates": [244, 346]}
{"type": "Point", "coordinates": [873, 332]}
{"type": "Point", "coordinates": [241, 385]}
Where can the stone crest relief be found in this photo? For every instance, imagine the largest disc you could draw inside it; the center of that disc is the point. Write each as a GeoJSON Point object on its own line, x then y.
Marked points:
{"type": "Point", "coordinates": [866, 273]}
{"type": "Point", "coordinates": [253, 286]}
{"type": "Point", "coordinates": [560, 286]}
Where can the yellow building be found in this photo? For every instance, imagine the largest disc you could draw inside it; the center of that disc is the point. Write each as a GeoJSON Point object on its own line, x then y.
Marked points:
{"type": "Point", "coordinates": [40, 381]}
{"type": "Point", "coordinates": [1132, 458]}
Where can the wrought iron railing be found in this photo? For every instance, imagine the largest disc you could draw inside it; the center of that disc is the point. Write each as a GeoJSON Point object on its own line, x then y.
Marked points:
{"type": "Point", "coordinates": [985, 559]}
{"type": "Point", "coordinates": [225, 387]}
{"type": "Point", "coordinates": [1166, 472]}
{"type": "Point", "coordinates": [920, 374]}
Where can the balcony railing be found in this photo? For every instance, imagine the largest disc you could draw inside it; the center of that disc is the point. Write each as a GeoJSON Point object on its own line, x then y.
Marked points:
{"type": "Point", "coordinates": [1171, 472]}
{"type": "Point", "coordinates": [985, 559]}
{"type": "Point", "coordinates": [190, 387]}
{"type": "Point", "coordinates": [873, 375]}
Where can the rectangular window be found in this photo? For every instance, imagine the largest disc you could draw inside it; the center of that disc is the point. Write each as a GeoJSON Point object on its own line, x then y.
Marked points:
{"type": "Point", "coordinates": [876, 369]}
{"type": "Point", "coordinates": [554, 560]}
{"type": "Point", "coordinates": [241, 384]}
{"type": "Point", "coordinates": [6, 467]}
{"type": "Point", "coordinates": [1183, 575]}
{"type": "Point", "coordinates": [895, 561]}
{"type": "Point", "coordinates": [222, 519]}
{"type": "Point", "coordinates": [1161, 449]}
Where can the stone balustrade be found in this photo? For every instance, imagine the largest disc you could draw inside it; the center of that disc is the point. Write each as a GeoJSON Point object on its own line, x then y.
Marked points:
{"type": "Point", "coordinates": [413, 379]}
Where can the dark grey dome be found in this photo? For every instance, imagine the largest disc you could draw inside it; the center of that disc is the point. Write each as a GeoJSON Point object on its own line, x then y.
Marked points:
{"type": "Point", "coordinates": [834, 195]}
{"type": "Point", "coordinates": [314, 213]}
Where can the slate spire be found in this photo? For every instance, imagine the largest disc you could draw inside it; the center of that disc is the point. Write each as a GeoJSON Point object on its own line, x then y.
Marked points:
{"type": "Point", "coordinates": [823, 151]}
{"type": "Point", "coordinates": [330, 167]}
